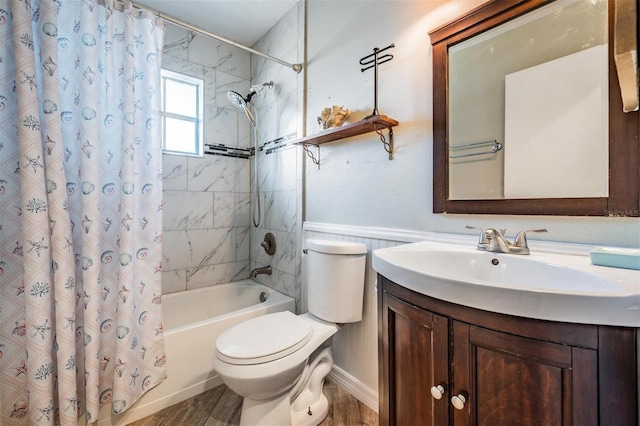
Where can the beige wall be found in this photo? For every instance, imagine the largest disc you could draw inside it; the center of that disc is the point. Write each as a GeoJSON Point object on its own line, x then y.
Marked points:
{"type": "Point", "coordinates": [357, 184]}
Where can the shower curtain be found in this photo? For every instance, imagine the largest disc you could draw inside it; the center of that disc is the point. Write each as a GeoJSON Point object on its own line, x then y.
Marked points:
{"type": "Point", "coordinates": [80, 209]}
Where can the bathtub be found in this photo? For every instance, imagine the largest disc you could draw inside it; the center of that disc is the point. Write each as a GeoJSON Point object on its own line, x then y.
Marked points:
{"type": "Point", "coordinates": [192, 321]}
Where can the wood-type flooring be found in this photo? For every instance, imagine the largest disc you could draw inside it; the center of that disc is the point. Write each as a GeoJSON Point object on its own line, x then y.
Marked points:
{"type": "Point", "coordinates": [221, 407]}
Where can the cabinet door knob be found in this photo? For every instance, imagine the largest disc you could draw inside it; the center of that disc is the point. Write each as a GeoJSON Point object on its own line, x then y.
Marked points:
{"type": "Point", "coordinates": [437, 391]}
{"type": "Point", "coordinates": [458, 401]}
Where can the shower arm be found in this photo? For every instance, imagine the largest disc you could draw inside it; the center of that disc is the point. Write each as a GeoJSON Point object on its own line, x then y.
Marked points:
{"type": "Point", "coordinates": [295, 67]}
{"type": "Point", "coordinates": [251, 94]}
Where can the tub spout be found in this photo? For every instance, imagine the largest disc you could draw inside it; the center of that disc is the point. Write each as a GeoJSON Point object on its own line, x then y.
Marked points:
{"type": "Point", "coordinates": [264, 270]}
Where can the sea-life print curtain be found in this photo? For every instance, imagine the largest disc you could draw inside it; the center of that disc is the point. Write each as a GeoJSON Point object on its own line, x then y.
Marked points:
{"type": "Point", "coordinates": [80, 209]}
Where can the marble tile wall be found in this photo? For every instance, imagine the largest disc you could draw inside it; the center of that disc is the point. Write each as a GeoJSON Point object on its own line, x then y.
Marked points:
{"type": "Point", "coordinates": [279, 115]}
{"type": "Point", "coordinates": [207, 200]}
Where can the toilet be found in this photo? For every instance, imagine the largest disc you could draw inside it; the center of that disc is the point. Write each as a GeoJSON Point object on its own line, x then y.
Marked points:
{"type": "Point", "coordinates": [278, 362]}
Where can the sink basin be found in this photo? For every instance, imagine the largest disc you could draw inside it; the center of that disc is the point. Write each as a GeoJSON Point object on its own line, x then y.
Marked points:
{"type": "Point", "coordinates": [551, 286]}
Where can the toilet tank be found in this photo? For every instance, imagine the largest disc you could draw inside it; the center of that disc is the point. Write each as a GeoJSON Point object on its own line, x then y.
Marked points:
{"type": "Point", "coordinates": [335, 279]}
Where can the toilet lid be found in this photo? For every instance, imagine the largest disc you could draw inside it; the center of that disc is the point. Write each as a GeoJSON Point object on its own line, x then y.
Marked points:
{"type": "Point", "coordinates": [263, 339]}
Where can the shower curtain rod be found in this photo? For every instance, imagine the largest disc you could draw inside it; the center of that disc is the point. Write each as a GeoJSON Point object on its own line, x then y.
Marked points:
{"type": "Point", "coordinates": [296, 67]}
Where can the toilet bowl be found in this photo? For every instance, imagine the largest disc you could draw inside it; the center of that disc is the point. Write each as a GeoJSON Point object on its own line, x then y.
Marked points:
{"type": "Point", "coordinates": [278, 362]}
{"type": "Point", "coordinates": [270, 380]}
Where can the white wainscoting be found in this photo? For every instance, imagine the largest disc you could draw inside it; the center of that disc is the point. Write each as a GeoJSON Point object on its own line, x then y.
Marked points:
{"type": "Point", "coordinates": [355, 347]}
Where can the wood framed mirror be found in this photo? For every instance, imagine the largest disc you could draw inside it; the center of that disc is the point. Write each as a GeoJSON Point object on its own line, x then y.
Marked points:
{"type": "Point", "coordinates": [621, 173]}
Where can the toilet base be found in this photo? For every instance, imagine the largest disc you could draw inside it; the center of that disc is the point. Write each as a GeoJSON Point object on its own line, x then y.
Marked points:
{"type": "Point", "coordinates": [309, 404]}
{"type": "Point", "coordinates": [304, 405]}
{"type": "Point", "coordinates": [276, 411]}
{"type": "Point", "coordinates": [313, 415]}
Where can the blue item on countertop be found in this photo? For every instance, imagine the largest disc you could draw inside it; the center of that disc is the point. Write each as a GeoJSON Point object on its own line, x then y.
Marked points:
{"type": "Point", "coordinates": [615, 257]}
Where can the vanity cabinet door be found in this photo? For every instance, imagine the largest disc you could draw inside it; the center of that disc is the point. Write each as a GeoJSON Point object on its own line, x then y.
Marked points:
{"type": "Point", "coordinates": [508, 380]}
{"type": "Point", "coordinates": [414, 354]}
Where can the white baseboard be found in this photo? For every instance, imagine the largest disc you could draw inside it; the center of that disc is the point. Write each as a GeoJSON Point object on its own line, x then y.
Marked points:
{"type": "Point", "coordinates": [363, 393]}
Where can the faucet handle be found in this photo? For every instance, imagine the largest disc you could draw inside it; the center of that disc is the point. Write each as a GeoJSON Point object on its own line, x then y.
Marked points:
{"type": "Point", "coordinates": [521, 238]}
{"type": "Point", "coordinates": [483, 241]}
{"type": "Point", "coordinates": [269, 244]}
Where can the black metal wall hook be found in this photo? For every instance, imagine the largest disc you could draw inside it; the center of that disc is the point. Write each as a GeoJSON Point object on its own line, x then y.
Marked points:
{"type": "Point", "coordinates": [372, 61]}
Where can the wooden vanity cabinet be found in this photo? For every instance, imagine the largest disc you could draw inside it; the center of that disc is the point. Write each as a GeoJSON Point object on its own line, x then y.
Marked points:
{"type": "Point", "coordinates": [508, 370]}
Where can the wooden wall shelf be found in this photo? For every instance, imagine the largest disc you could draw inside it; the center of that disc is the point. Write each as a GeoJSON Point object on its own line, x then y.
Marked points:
{"type": "Point", "coordinates": [375, 123]}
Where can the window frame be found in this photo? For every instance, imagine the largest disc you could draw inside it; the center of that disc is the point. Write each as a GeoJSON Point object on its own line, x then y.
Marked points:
{"type": "Point", "coordinates": [198, 118]}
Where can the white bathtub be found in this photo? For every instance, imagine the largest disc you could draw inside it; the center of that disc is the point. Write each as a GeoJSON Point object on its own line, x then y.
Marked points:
{"type": "Point", "coordinates": [192, 321]}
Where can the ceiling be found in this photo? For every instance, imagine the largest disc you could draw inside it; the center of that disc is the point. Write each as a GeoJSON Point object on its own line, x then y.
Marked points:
{"type": "Point", "coordinates": [242, 21]}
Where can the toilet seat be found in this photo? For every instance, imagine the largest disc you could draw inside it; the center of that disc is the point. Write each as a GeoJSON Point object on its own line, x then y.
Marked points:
{"type": "Point", "coordinates": [263, 339]}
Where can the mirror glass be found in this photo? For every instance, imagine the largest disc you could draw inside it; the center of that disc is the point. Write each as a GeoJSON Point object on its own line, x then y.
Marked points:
{"type": "Point", "coordinates": [528, 107]}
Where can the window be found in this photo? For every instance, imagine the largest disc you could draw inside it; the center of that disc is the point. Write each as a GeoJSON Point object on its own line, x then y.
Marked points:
{"type": "Point", "coordinates": [182, 111]}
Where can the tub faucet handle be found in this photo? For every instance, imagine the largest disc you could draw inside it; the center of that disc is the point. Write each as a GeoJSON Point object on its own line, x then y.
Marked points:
{"type": "Point", "coordinates": [269, 244]}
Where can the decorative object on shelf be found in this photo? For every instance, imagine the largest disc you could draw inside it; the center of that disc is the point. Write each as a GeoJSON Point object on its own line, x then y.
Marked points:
{"type": "Point", "coordinates": [372, 61]}
{"type": "Point", "coordinates": [333, 117]}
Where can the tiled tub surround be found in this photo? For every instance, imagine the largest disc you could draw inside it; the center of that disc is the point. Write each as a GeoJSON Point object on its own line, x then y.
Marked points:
{"type": "Point", "coordinates": [209, 237]}
{"type": "Point", "coordinates": [207, 200]}
{"type": "Point", "coordinates": [279, 116]}
{"type": "Point", "coordinates": [280, 217]}
{"type": "Point", "coordinates": [223, 68]}
{"type": "Point", "coordinates": [208, 224]}
{"type": "Point", "coordinates": [205, 221]}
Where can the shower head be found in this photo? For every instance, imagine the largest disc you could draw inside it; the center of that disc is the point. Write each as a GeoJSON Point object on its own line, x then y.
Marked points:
{"type": "Point", "coordinates": [238, 101]}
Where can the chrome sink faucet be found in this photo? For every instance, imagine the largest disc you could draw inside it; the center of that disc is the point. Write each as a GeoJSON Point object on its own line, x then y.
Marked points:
{"type": "Point", "coordinates": [494, 241]}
